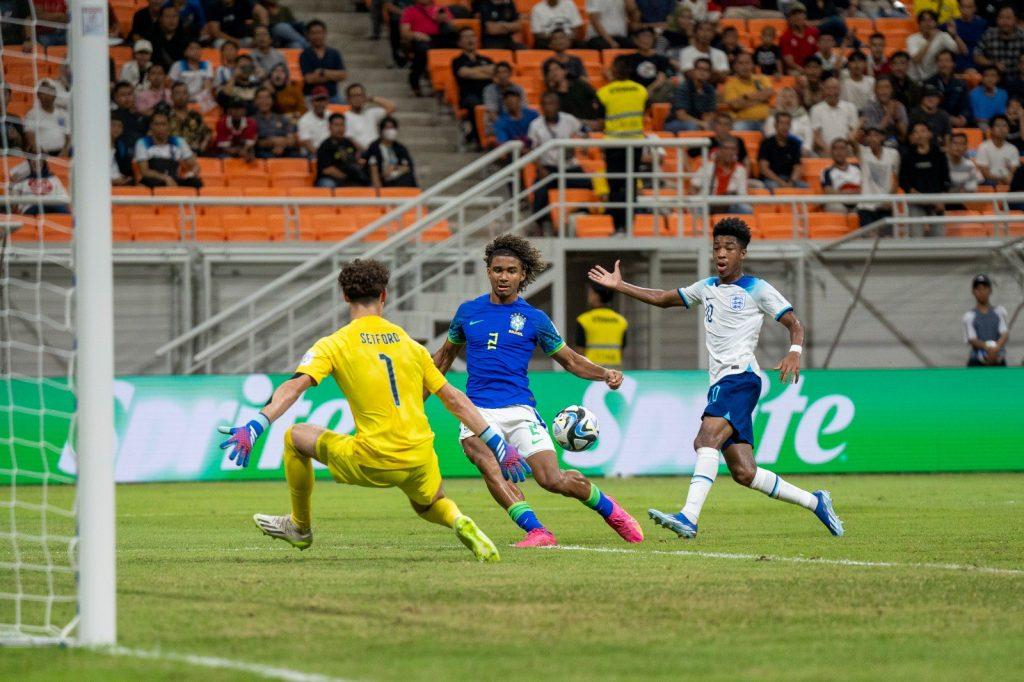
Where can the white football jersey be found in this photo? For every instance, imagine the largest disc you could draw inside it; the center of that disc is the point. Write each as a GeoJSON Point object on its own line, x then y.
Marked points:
{"type": "Point", "coordinates": [733, 314]}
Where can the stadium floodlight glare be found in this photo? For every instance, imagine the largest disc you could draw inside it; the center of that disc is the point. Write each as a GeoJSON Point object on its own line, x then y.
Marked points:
{"type": "Point", "coordinates": [57, 580]}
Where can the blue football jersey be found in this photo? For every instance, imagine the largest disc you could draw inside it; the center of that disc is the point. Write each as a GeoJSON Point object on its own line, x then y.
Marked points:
{"type": "Point", "coordinates": [499, 341]}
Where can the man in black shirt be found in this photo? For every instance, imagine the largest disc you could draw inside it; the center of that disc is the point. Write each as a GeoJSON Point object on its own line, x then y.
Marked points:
{"type": "Point", "coordinates": [907, 91]}
{"type": "Point", "coordinates": [650, 69]}
{"type": "Point", "coordinates": [135, 125]}
{"type": "Point", "coordinates": [145, 20]}
{"type": "Point", "coordinates": [558, 42]}
{"type": "Point", "coordinates": [229, 20]}
{"type": "Point", "coordinates": [473, 72]}
{"type": "Point", "coordinates": [930, 113]}
{"type": "Point", "coordinates": [337, 159]}
{"type": "Point", "coordinates": [779, 156]}
{"type": "Point", "coordinates": [924, 169]}
{"type": "Point", "coordinates": [500, 22]}
{"type": "Point", "coordinates": [168, 37]}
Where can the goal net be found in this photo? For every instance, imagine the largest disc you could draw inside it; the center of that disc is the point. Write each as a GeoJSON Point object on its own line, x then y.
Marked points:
{"type": "Point", "coordinates": [39, 346]}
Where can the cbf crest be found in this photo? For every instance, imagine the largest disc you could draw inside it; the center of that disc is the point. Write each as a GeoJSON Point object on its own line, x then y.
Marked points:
{"type": "Point", "coordinates": [516, 322]}
{"type": "Point", "coordinates": [737, 302]}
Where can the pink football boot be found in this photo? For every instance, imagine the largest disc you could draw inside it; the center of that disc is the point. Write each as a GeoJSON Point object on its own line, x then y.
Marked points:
{"type": "Point", "coordinates": [538, 537]}
{"type": "Point", "coordinates": [624, 524]}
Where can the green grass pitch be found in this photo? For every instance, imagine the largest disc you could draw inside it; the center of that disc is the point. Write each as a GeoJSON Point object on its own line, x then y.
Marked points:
{"type": "Point", "coordinates": [382, 595]}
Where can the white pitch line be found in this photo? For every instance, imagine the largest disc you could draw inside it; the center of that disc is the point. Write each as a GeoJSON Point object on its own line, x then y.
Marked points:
{"type": "Point", "coordinates": [267, 671]}
{"type": "Point", "coordinates": [796, 559]}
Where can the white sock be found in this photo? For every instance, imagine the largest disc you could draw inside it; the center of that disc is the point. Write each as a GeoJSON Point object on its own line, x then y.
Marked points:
{"type": "Point", "coordinates": [704, 472]}
{"type": "Point", "coordinates": [772, 485]}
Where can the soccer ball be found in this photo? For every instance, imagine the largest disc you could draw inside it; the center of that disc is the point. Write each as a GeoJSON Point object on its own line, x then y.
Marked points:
{"type": "Point", "coordinates": [575, 428]}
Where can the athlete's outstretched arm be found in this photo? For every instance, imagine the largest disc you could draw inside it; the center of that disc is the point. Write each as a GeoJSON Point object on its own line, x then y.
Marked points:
{"type": "Point", "coordinates": [513, 466]}
{"type": "Point", "coordinates": [791, 363]}
{"type": "Point", "coordinates": [613, 280]}
{"type": "Point", "coordinates": [574, 363]}
{"type": "Point", "coordinates": [445, 356]}
{"type": "Point", "coordinates": [242, 438]}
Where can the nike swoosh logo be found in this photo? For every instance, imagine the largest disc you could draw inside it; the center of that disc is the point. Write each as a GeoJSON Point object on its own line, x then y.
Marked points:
{"type": "Point", "coordinates": [475, 322]}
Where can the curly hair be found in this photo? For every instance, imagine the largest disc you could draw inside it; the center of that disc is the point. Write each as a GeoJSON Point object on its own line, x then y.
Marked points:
{"type": "Point", "coordinates": [363, 280]}
{"type": "Point", "coordinates": [517, 247]}
{"type": "Point", "coordinates": [733, 227]}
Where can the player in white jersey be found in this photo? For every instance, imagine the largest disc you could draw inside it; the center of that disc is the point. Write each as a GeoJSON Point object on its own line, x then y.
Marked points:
{"type": "Point", "coordinates": [734, 309]}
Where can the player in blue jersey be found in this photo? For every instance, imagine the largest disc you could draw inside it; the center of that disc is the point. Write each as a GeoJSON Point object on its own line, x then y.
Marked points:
{"type": "Point", "coordinates": [734, 309]}
{"type": "Point", "coordinates": [500, 331]}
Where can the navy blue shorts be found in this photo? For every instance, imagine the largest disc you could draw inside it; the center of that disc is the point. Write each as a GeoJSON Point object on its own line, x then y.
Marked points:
{"type": "Point", "coordinates": [734, 399]}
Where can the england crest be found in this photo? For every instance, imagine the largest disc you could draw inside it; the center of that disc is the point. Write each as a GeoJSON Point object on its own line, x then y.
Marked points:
{"type": "Point", "coordinates": [737, 302]}
{"type": "Point", "coordinates": [516, 322]}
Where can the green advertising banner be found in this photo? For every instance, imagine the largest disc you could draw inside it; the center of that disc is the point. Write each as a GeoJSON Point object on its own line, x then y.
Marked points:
{"type": "Point", "coordinates": [831, 421]}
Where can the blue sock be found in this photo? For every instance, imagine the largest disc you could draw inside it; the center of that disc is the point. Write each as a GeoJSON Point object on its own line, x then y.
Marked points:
{"type": "Point", "coordinates": [599, 502]}
{"type": "Point", "coordinates": [523, 515]}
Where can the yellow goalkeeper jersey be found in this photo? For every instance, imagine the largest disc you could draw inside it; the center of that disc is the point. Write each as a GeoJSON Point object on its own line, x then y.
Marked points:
{"type": "Point", "coordinates": [382, 373]}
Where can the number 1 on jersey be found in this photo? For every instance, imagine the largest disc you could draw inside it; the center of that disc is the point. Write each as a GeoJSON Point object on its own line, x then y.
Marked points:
{"type": "Point", "coordinates": [391, 376]}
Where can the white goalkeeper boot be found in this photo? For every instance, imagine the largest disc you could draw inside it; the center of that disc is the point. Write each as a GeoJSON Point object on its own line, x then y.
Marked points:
{"type": "Point", "coordinates": [284, 528]}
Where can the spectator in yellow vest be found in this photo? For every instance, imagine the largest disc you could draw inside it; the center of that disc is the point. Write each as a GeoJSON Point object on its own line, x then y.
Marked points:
{"type": "Point", "coordinates": [601, 332]}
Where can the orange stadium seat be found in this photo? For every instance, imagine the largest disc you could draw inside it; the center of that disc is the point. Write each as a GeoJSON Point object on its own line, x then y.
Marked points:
{"type": "Point", "coordinates": [155, 228]}
{"type": "Point", "coordinates": [650, 225]}
{"type": "Point", "coordinates": [242, 227]}
{"type": "Point", "coordinates": [250, 179]}
{"type": "Point", "coordinates": [778, 226]}
{"type": "Point", "coordinates": [234, 166]}
{"type": "Point", "coordinates": [437, 232]}
{"type": "Point", "coordinates": [209, 228]}
{"type": "Point", "coordinates": [221, 192]}
{"type": "Point", "coordinates": [738, 24]}
{"type": "Point", "coordinates": [277, 166]}
{"type": "Point", "coordinates": [827, 225]}
{"type": "Point", "coordinates": [608, 56]}
{"type": "Point", "coordinates": [558, 212]}
{"type": "Point", "coordinates": [891, 25]}
{"type": "Point", "coordinates": [589, 226]}
{"type": "Point", "coordinates": [174, 209]}
{"type": "Point", "coordinates": [755, 26]}
{"type": "Point", "coordinates": [586, 56]}
{"type": "Point", "coordinates": [334, 228]}
{"type": "Point", "coordinates": [121, 229]}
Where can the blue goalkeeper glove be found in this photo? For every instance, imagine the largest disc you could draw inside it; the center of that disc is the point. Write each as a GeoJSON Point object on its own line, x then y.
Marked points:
{"type": "Point", "coordinates": [243, 438]}
{"type": "Point", "coordinates": [513, 465]}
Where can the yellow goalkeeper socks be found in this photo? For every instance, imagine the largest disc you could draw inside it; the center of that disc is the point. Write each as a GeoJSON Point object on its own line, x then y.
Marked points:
{"type": "Point", "coordinates": [298, 470]}
{"type": "Point", "coordinates": [443, 512]}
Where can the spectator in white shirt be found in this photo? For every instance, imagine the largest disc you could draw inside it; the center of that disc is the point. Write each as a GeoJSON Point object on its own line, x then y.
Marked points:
{"type": "Point", "coordinates": [997, 159]}
{"type": "Point", "coordinates": [842, 177]}
{"type": "Point", "coordinates": [788, 101]}
{"type": "Point", "coordinates": [313, 126]}
{"type": "Point", "coordinates": [554, 124]}
{"type": "Point", "coordinates": [832, 118]}
{"type": "Point", "coordinates": [37, 181]}
{"type": "Point", "coordinates": [362, 123]}
{"type": "Point", "coordinates": [548, 15]}
{"type": "Point", "coordinates": [608, 25]}
{"type": "Point", "coordinates": [925, 45]}
{"type": "Point", "coordinates": [856, 87]}
{"type": "Point", "coordinates": [196, 73]}
{"type": "Point", "coordinates": [703, 33]}
{"type": "Point", "coordinates": [879, 166]}
{"type": "Point", "coordinates": [964, 176]}
{"type": "Point", "coordinates": [47, 128]}
{"type": "Point", "coordinates": [133, 70]}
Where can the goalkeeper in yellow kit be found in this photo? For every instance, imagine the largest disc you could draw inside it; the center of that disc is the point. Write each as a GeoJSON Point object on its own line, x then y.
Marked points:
{"type": "Point", "coordinates": [384, 375]}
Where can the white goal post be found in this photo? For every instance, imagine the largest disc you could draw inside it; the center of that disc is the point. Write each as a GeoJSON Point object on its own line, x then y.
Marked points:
{"type": "Point", "coordinates": [94, 321]}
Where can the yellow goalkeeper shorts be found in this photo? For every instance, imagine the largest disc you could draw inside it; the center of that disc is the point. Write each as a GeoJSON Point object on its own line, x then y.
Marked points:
{"type": "Point", "coordinates": [419, 483]}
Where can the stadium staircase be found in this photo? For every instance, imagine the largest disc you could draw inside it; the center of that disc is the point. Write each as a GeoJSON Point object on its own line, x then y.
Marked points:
{"type": "Point", "coordinates": [429, 133]}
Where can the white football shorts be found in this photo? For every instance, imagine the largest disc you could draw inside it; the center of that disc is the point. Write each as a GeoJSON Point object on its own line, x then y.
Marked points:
{"type": "Point", "coordinates": [519, 425]}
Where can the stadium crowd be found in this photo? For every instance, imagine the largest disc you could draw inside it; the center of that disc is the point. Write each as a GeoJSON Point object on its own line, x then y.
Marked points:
{"type": "Point", "coordinates": [834, 97]}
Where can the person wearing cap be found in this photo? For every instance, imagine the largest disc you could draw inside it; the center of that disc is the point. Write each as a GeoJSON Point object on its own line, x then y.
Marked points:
{"type": "Point", "coordinates": [800, 40]}
{"type": "Point", "coordinates": [985, 327]}
{"type": "Point", "coordinates": [313, 126]}
{"type": "Point", "coordinates": [236, 133]}
{"type": "Point", "coordinates": [925, 45]}
{"type": "Point", "coordinates": [133, 69]}
{"type": "Point", "coordinates": [930, 113]}
{"type": "Point", "coordinates": [47, 127]}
